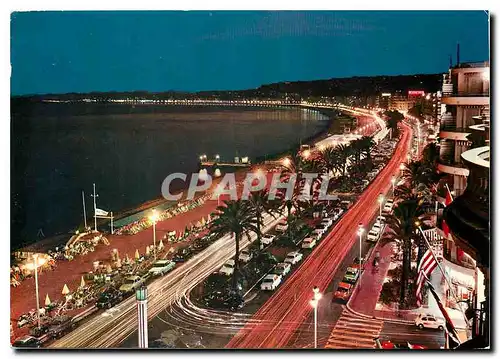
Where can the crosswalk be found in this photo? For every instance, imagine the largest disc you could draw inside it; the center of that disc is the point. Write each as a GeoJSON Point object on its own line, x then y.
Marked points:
{"type": "Point", "coordinates": [353, 331]}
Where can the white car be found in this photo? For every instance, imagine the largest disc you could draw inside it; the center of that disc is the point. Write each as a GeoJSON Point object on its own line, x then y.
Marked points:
{"type": "Point", "coordinates": [245, 256]}
{"type": "Point", "coordinates": [293, 257]}
{"type": "Point", "coordinates": [381, 219]}
{"type": "Point", "coordinates": [429, 321]}
{"type": "Point", "coordinates": [388, 206]}
{"type": "Point", "coordinates": [327, 221]}
{"type": "Point", "coordinates": [377, 227]}
{"type": "Point", "coordinates": [131, 283]}
{"type": "Point", "coordinates": [372, 236]}
{"type": "Point", "coordinates": [161, 267]}
{"type": "Point", "coordinates": [228, 267]}
{"type": "Point", "coordinates": [282, 269]}
{"type": "Point", "coordinates": [318, 232]}
{"type": "Point", "coordinates": [270, 282]}
{"type": "Point", "coordinates": [281, 227]}
{"type": "Point", "coordinates": [308, 242]}
{"type": "Point", "coordinates": [267, 239]}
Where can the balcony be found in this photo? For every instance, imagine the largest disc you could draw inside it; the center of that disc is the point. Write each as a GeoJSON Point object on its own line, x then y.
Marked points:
{"type": "Point", "coordinates": [455, 133]}
{"type": "Point", "coordinates": [466, 98]}
{"type": "Point", "coordinates": [452, 167]}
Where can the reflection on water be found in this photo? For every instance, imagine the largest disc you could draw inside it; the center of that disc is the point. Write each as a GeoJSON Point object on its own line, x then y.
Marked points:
{"type": "Point", "coordinates": [60, 150]}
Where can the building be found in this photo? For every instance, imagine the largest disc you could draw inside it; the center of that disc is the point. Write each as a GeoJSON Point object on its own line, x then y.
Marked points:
{"type": "Point", "coordinates": [465, 95]}
{"type": "Point", "coordinates": [468, 215]}
{"type": "Point", "coordinates": [400, 102]}
{"type": "Point", "coordinates": [384, 101]}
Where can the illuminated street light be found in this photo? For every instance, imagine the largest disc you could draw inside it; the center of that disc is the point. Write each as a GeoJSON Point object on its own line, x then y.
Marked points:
{"type": "Point", "coordinates": [401, 167]}
{"type": "Point", "coordinates": [314, 303]}
{"type": "Point", "coordinates": [361, 229]}
{"type": "Point", "coordinates": [154, 218]}
{"type": "Point", "coordinates": [393, 181]}
{"type": "Point", "coordinates": [286, 162]}
{"type": "Point", "coordinates": [34, 266]}
{"type": "Point", "coordinates": [307, 153]}
{"type": "Point", "coordinates": [217, 157]}
{"type": "Point", "coordinates": [380, 201]}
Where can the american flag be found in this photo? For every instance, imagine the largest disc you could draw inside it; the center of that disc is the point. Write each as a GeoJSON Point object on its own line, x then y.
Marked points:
{"type": "Point", "coordinates": [447, 202]}
{"type": "Point", "coordinates": [424, 270]}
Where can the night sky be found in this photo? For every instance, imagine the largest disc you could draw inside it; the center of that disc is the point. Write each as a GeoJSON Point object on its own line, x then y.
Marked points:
{"type": "Point", "coordinates": [60, 52]}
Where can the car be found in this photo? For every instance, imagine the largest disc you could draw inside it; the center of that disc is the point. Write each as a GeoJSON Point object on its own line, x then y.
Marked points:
{"type": "Point", "coordinates": [131, 283]}
{"type": "Point", "coordinates": [351, 275]}
{"type": "Point", "coordinates": [245, 256]}
{"type": "Point", "coordinates": [388, 345]}
{"type": "Point", "coordinates": [343, 292]}
{"type": "Point", "coordinates": [270, 282]}
{"type": "Point", "coordinates": [293, 257]}
{"type": "Point", "coordinates": [381, 219]}
{"type": "Point", "coordinates": [182, 255]}
{"type": "Point", "coordinates": [318, 232]}
{"type": "Point", "coordinates": [358, 263]}
{"type": "Point", "coordinates": [228, 267]}
{"type": "Point", "coordinates": [388, 207]}
{"type": "Point", "coordinates": [61, 329]}
{"type": "Point", "coordinates": [372, 236]}
{"type": "Point", "coordinates": [27, 341]}
{"type": "Point", "coordinates": [109, 299]}
{"type": "Point", "coordinates": [429, 321]}
{"type": "Point", "coordinates": [308, 242]}
{"type": "Point", "coordinates": [327, 221]}
{"type": "Point", "coordinates": [161, 267]}
{"type": "Point", "coordinates": [267, 239]}
{"type": "Point", "coordinates": [224, 300]}
{"type": "Point", "coordinates": [282, 269]}
{"type": "Point", "coordinates": [281, 227]}
{"type": "Point", "coordinates": [377, 227]}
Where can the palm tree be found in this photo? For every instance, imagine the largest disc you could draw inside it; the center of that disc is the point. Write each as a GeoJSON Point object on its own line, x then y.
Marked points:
{"type": "Point", "coordinates": [367, 143]}
{"type": "Point", "coordinates": [430, 154]}
{"type": "Point", "coordinates": [344, 152]}
{"type": "Point", "coordinates": [402, 229]}
{"type": "Point", "coordinates": [238, 218]}
{"type": "Point", "coordinates": [260, 203]}
{"type": "Point", "coordinates": [331, 160]}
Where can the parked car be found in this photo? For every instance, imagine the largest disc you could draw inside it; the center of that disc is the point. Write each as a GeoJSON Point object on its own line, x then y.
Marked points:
{"type": "Point", "coordinates": [358, 263]}
{"type": "Point", "coordinates": [372, 236]}
{"type": "Point", "coordinates": [282, 269]}
{"type": "Point", "coordinates": [308, 242]}
{"type": "Point", "coordinates": [318, 232]}
{"type": "Point", "coordinates": [429, 321]}
{"type": "Point", "coordinates": [161, 267]}
{"type": "Point", "coordinates": [327, 222]}
{"type": "Point", "coordinates": [293, 257]}
{"type": "Point", "coordinates": [182, 255]}
{"type": "Point", "coordinates": [388, 345]}
{"type": "Point", "coordinates": [343, 292]}
{"type": "Point", "coordinates": [270, 282]}
{"type": "Point", "coordinates": [27, 341]}
{"type": "Point", "coordinates": [223, 300]}
{"type": "Point", "coordinates": [377, 227]}
{"type": "Point", "coordinates": [281, 227]}
{"type": "Point", "coordinates": [381, 219]}
{"type": "Point", "coordinates": [245, 256]}
{"type": "Point", "coordinates": [109, 298]}
{"type": "Point", "coordinates": [62, 328]}
{"type": "Point", "coordinates": [351, 275]}
{"type": "Point", "coordinates": [388, 205]}
{"type": "Point", "coordinates": [267, 239]}
{"type": "Point", "coordinates": [228, 267]}
{"type": "Point", "coordinates": [131, 283]}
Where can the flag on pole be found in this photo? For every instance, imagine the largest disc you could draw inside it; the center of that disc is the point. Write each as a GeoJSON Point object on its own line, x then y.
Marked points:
{"type": "Point", "coordinates": [425, 268]}
{"type": "Point", "coordinates": [451, 331]}
{"type": "Point", "coordinates": [447, 202]}
{"type": "Point", "coordinates": [100, 212]}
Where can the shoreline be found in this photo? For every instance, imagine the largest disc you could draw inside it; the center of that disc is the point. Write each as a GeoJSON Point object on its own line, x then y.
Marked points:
{"type": "Point", "coordinates": [44, 244]}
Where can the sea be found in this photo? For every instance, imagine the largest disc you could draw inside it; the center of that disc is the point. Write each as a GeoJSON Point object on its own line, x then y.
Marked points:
{"type": "Point", "coordinates": [59, 150]}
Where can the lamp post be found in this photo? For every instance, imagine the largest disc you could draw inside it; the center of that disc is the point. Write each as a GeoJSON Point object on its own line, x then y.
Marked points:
{"type": "Point", "coordinates": [380, 201]}
{"type": "Point", "coordinates": [35, 265]}
{"type": "Point", "coordinates": [361, 229]}
{"type": "Point", "coordinates": [154, 218]}
{"type": "Point", "coordinates": [393, 182]}
{"type": "Point", "coordinates": [314, 303]}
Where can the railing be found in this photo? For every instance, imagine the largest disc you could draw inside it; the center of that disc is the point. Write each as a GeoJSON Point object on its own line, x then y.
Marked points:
{"type": "Point", "coordinates": [477, 64]}
{"type": "Point", "coordinates": [451, 162]}
{"type": "Point", "coordinates": [455, 129]}
{"type": "Point", "coordinates": [467, 94]}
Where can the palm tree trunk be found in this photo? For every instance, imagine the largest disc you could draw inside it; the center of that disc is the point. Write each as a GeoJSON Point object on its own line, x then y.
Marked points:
{"type": "Point", "coordinates": [259, 233]}
{"type": "Point", "coordinates": [237, 237]}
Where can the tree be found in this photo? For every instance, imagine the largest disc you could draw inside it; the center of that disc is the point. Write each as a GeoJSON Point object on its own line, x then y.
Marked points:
{"type": "Point", "coordinates": [332, 160]}
{"type": "Point", "coordinates": [430, 154]}
{"type": "Point", "coordinates": [237, 218]}
{"type": "Point", "coordinates": [403, 230]}
{"type": "Point", "coordinates": [344, 152]}
{"type": "Point", "coordinates": [393, 119]}
{"type": "Point", "coordinates": [367, 143]}
{"type": "Point", "coordinates": [260, 203]}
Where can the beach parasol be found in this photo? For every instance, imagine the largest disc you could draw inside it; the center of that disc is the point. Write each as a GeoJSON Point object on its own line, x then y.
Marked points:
{"type": "Point", "coordinates": [209, 218]}
{"type": "Point", "coordinates": [147, 251]}
{"type": "Point", "coordinates": [127, 259]}
{"type": "Point", "coordinates": [137, 255]}
{"type": "Point", "coordinates": [65, 290]}
{"type": "Point", "coordinates": [203, 221]}
{"type": "Point", "coordinates": [82, 282]}
{"type": "Point", "coordinates": [108, 268]}
{"type": "Point", "coordinates": [47, 300]}
{"type": "Point", "coordinates": [161, 246]}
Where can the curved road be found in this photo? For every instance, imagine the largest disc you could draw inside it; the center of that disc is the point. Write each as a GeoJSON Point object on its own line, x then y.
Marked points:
{"type": "Point", "coordinates": [277, 318]}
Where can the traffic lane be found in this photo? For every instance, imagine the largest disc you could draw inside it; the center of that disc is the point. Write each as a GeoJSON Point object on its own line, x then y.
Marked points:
{"type": "Point", "coordinates": [282, 309]}
{"type": "Point", "coordinates": [401, 333]}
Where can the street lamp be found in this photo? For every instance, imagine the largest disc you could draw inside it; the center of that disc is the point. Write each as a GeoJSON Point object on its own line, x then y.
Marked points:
{"type": "Point", "coordinates": [286, 162]}
{"type": "Point", "coordinates": [361, 229]}
{"type": "Point", "coordinates": [380, 201]}
{"type": "Point", "coordinates": [314, 303]}
{"type": "Point", "coordinates": [217, 157]}
{"type": "Point", "coordinates": [408, 157]}
{"type": "Point", "coordinates": [36, 263]}
{"type": "Point", "coordinates": [401, 167]}
{"type": "Point", "coordinates": [154, 218]}
{"type": "Point", "coordinates": [393, 182]}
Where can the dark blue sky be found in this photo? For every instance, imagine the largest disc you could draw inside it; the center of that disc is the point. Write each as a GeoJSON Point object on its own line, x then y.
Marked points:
{"type": "Point", "coordinates": [58, 52]}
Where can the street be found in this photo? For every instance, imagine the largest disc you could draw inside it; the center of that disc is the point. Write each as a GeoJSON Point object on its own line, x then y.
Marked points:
{"type": "Point", "coordinates": [400, 333]}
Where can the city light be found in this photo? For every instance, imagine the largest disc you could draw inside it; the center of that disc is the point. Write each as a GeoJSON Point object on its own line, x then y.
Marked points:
{"type": "Point", "coordinates": [286, 162]}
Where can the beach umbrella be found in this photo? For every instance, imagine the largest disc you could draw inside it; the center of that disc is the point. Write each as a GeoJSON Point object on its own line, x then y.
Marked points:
{"type": "Point", "coordinates": [147, 251]}
{"type": "Point", "coordinates": [137, 255]}
{"type": "Point", "coordinates": [161, 246]}
{"type": "Point", "coordinates": [109, 269]}
{"type": "Point", "coordinates": [203, 221]}
{"type": "Point", "coordinates": [209, 218]}
{"type": "Point", "coordinates": [65, 290]}
{"type": "Point", "coordinates": [47, 300]}
{"type": "Point", "coordinates": [82, 282]}
{"type": "Point", "coordinates": [127, 259]}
